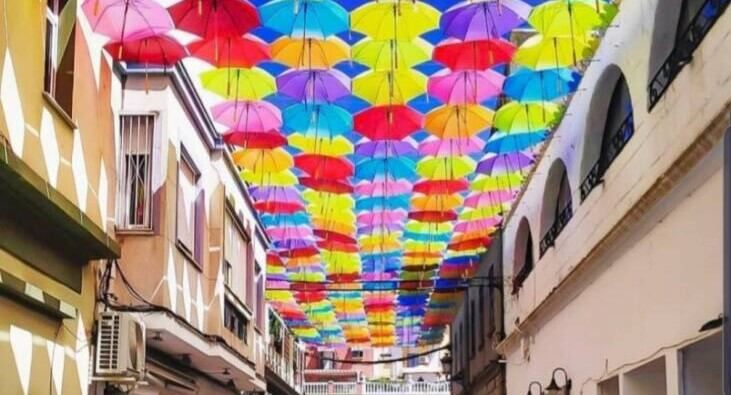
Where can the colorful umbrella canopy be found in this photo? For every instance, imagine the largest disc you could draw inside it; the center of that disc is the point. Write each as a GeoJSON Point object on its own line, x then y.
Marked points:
{"type": "Point", "coordinates": [239, 83]}
{"type": "Point", "coordinates": [313, 85]}
{"type": "Point", "coordinates": [310, 52]}
{"type": "Point", "coordinates": [474, 55]}
{"type": "Point", "coordinates": [304, 18]}
{"type": "Point", "coordinates": [215, 18]}
{"type": "Point", "coordinates": [470, 20]}
{"type": "Point", "coordinates": [458, 121]}
{"type": "Point", "coordinates": [391, 54]}
{"type": "Point", "coordinates": [389, 87]}
{"type": "Point", "coordinates": [528, 85]}
{"type": "Point", "coordinates": [465, 87]}
{"type": "Point", "coordinates": [155, 50]}
{"type": "Point", "coordinates": [394, 19]}
{"type": "Point", "coordinates": [390, 122]}
{"type": "Point", "coordinates": [123, 20]}
{"type": "Point", "coordinates": [232, 51]}
{"type": "Point", "coordinates": [248, 115]}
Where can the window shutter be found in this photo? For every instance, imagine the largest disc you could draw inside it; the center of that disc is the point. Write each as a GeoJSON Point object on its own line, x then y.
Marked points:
{"type": "Point", "coordinates": [65, 56]}
{"type": "Point", "coordinates": [199, 231]}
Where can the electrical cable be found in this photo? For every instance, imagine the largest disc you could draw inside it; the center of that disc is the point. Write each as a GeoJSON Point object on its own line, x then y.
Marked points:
{"type": "Point", "coordinates": [380, 362]}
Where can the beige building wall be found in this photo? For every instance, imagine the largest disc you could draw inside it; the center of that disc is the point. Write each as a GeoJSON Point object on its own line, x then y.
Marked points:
{"type": "Point", "coordinates": [637, 270]}
{"type": "Point", "coordinates": [72, 156]}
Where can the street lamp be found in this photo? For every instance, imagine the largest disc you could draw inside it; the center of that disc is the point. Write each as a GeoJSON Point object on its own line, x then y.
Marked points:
{"type": "Point", "coordinates": [554, 389]}
{"type": "Point", "coordinates": [540, 388]}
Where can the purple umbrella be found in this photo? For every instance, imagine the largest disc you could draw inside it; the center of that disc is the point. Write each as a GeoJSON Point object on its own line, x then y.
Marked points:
{"type": "Point", "coordinates": [451, 147]}
{"type": "Point", "coordinates": [485, 19]}
{"type": "Point", "coordinates": [392, 227]}
{"type": "Point", "coordinates": [276, 194]}
{"type": "Point", "coordinates": [384, 148]}
{"type": "Point", "coordinates": [504, 163]}
{"type": "Point", "coordinates": [314, 85]}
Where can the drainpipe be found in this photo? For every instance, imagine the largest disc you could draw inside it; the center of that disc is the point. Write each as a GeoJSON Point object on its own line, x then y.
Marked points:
{"type": "Point", "coordinates": [727, 262]}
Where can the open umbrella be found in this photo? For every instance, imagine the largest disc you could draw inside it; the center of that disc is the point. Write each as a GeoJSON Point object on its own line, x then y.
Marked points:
{"type": "Point", "coordinates": [439, 202]}
{"type": "Point", "coordinates": [543, 53]}
{"type": "Point", "coordinates": [385, 148]}
{"type": "Point", "coordinates": [391, 122]}
{"type": "Point", "coordinates": [272, 160]}
{"type": "Point", "coordinates": [381, 217]}
{"type": "Point", "coordinates": [323, 166]}
{"type": "Point", "coordinates": [395, 167]}
{"type": "Point", "coordinates": [445, 168]}
{"type": "Point", "coordinates": [383, 187]}
{"type": "Point", "coordinates": [336, 146]}
{"type": "Point", "coordinates": [123, 20]}
{"type": "Point", "coordinates": [507, 181]}
{"type": "Point", "coordinates": [318, 120]}
{"type": "Point", "coordinates": [248, 115]}
{"type": "Point", "coordinates": [493, 164]}
{"type": "Point", "coordinates": [215, 18]}
{"type": "Point", "coordinates": [155, 50]}
{"type": "Point", "coordinates": [451, 147]}
{"type": "Point", "coordinates": [501, 143]}
{"type": "Point", "coordinates": [239, 83]}
{"type": "Point", "coordinates": [433, 216]}
{"type": "Point", "coordinates": [517, 117]}
{"type": "Point", "coordinates": [567, 18]}
{"type": "Point", "coordinates": [310, 53]}
{"type": "Point", "coordinates": [391, 54]}
{"type": "Point", "coordinates": [282, 194]}
{"type": "Point", "coordinates": [313, 85]}
{"type": "Point", "coordinates": [488, 198]}
{"type": "Point", "coordinates": [268, 178]}
{"type": "Point", "coordinates": [474, 55]}
{"type": "Point", "coordinates": [529, 85]}
{"type": "Point", "coordinates": [389, 87]}
{"type": "Point", "coordinates": [305, 18]}
{"type": "Point", "coordinates": [269, 139]}
{"type": "Point", "coordinates": [457, 121]}
{"type": "Point", "coordinates": [326, 185]}
{"type": "Point", "coordinates": [441, 186]}
{"type": "Point", "coordinates": [470, 20]}
{"type": "Point", "coordinates": [234, 51]}
{"type": "Point", "coordinates": [468, 226]}
{"type": "Point", "coordinates": [465, 87]}
{"type": "Point", "coordinates": [394, 19]}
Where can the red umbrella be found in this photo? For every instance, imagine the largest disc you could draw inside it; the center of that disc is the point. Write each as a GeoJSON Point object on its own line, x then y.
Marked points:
{"type": "Point", "coordinates": [470, 244]}
{"type": "Point", "coordinates": [307, 287]}
{"type": "Point", "coordinates": [433, 216]}
{"type": "Point", "coordinates": [323, 166]}
{"type": "Point", "coordinates": [156, 50]}
{"type": "Point", "coordinates": [215, 18]}
{"type": "Point", "coordinates": [301, 252]}
{"type": "Point", "coordinates": [262, 140]}
{"type": "Point", "coordinates": [274, 207]}
{"type": "Point", "coordinates": [474, 55]}
{"type": "Point", "coordinates": [274, 260]}
{"type": "Point", "coordinates": [333, 245]}
{"type": "Point", "coordinates": [419, 268]}
{"type": "Point", "coordinates": [423, 254]}
{"type": "Point", "coordinates": [324, 185]}
{"type": "Point", "coordinates": [344, 277]}
{"type": "Point", "coordinates": [310, 297]}
{"type": "Point", "coordinates": [392, 122]}
{"type": "Point", "coordinates": [334, 236]}
{"type": "Point", "coordinates": [438, 187]}
{"type": "Point", "coordinates": [233, 51]}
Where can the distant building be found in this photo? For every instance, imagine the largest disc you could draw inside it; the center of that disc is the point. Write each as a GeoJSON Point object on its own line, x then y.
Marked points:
{"type": "Point", "coordinates": [284, 357]}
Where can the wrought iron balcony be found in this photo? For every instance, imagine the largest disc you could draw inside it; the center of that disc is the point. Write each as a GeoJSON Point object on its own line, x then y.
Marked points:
{"type": "Point", "coordinates": [685, 46]}
{"type": "Point", "coordinates": [378, 388]}
{"type": "Point", "coordinates": [615, 147]}
{"type": "Point", "coordinates": [559, 223]}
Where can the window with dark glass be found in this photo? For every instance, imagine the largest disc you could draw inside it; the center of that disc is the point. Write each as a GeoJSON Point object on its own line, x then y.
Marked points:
{"type": "Point", "coordinates": [618, 127]}
{"type": "Point", "coordinates": [356, 354]}
{"type": "Point", "coordinates": [524, 260]}
{"type": "Point", "coordinates": [58, 78]}
{"type": "Point", "coordinates": [562, 213]}
{"type": "Point", "coordinates": [235, 321]}
{"type": "Point", "coordinates": [191, 209]}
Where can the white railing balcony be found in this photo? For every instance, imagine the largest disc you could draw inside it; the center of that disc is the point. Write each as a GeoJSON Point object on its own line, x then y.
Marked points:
{"type": "Point", "coordinates": [282, 367]}
{"type": "Point", "coordinates": [378, 388]}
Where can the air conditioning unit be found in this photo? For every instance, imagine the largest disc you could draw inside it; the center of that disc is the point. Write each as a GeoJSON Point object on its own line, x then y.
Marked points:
{"type": "Point", "coordinates": [120, 347]}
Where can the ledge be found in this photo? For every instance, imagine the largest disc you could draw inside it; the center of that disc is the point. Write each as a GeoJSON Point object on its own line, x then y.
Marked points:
{"type": "Point", "coordinates": [34, 297]}
{"type": "Point", "coordinates": [24, 190]}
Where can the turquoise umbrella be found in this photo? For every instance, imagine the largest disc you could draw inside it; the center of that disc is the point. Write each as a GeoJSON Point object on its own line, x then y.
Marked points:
{"type": "Point", "coordinates": [317, 120]}
{"type": "Point", "coordinates": [305, 18]}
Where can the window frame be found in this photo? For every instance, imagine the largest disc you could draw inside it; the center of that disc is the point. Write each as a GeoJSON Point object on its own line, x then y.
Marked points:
{"type": "Point", "coordinates": [122, 199]}
{"type": "Point", "coordinates": [188, 251]}
{"type": "Point", "coordinates": [528, 259]}
{"type": "Point", "coordinates": [53, 60]}
{"type": "Point", "coordinates": [232, 310]}
{"type": "Point", "coordinates": [239, 227]}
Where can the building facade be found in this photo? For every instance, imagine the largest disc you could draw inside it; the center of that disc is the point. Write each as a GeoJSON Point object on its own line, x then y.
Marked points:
{"type": "Point", "coordinates": [614, 249]}
{"type": "Point", "coordinates": [192, 249]}
{"type": "Point", "coordinates": [285, 358]}
{"type": "Point", "coordinates": [57, 183]}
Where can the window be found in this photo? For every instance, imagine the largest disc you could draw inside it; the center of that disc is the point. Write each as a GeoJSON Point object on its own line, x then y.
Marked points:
{"type": "Point", "coordinates": [413, 361]}
{"type": "Point", "coordinates": [259, 303]}
{"type": "Point", "coordinates": [473, 331]}
{"type": "Point", "coordinates": [356, 354]}
{"type": "Point", "coordinates": [557, 213]}
{"type": "Point", "coordinates": [523, 263]}
{"type": "Point", "coordinates": [190, 209]}
{"type": "Point", "coordinates": [235, 321]}
{"type": "Point", "coordinates": [58, 79]}
{"type": "Point", "coordinates": [701, 367]}
{"type": "Point", "coordinates": [235, 255]}
{"type": "Point", "coordinates": [135, 172]}
{"type": "Point", "coordinates": [481, 320]}
{"type": "Point", "coordinates": [650, 378]}
{"type": "Point", "coordinates": [227, 274]}
{"type": "Point", "coordinates": [326, 359]}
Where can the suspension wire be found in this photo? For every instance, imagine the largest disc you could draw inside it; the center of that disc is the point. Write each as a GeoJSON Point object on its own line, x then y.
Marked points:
{"type": "Point", "coordinates": [379, 362]}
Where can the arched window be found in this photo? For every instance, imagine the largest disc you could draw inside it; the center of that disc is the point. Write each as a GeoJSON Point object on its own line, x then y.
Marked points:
{"type": "Point", "coordinates": [557, 208]}
{"type": "Point", "coordinates": [680, 26]}
{"type": "Point", "coordinates": [616, 125]}
{"type": "Point", "coordinates": [523, 260]}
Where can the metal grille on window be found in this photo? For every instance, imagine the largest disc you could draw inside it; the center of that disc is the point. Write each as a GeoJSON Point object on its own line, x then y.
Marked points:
{"type": "Point", "coordinates": [135, 172]}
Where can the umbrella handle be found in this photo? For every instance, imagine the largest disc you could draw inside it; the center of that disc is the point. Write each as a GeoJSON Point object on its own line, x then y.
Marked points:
{"type": "Point", "coordinates": [96, 7]}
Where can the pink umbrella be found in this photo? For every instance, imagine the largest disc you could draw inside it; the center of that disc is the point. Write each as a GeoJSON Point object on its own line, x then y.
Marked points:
{"type": "Point", "coordinates": [451, 147]}
{"type": "Point", "coordinates": [478, 224]}
{"type": "Point", "coordinates": [385, 187]}
{"type": "Point", "coordinates": [123, 20]}
{"type": "Point", "coordinates": [489, 198]}
{"type": "Point", "coordinates": [381, 217]}
{"type": "Point", "coordinates": [465, 87]}
{"type": "Point", "coordinates": [259, 116]}
{"type": "Point", "coordinates": [290, 232]}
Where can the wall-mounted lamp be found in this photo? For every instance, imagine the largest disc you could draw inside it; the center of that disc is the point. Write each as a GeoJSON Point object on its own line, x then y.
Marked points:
{"type": "Point", "coordinates": [530, 386]}
{"type": "Point", "coordinates": [554, 389]}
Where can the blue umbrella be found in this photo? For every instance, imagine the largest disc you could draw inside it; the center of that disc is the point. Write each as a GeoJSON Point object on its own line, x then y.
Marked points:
{"type": "Point", "coordinates": [387, 202]}
{"type": "Point", "coordinates": [544, 85]}
{"type": "Point", "coordinates": [401, 167]}
{"type": "Point", "coordinates": [285, 219]}
{"type": "Point", "coordinates": [427, 237]}
{"type": "Point", "coordinates": [501, 143]}
{"type": "Point", "coordinates": [317, 120]}
{"type": "Point", "coordinates": [308, 18]}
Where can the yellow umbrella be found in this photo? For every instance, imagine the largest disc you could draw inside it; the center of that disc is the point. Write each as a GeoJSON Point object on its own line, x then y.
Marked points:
{"type": "Point", "coordinates": [482, 212]}
{"type": "Point", "coordinates": [239, 83]}
{"type": "Point", "coordinates": [267, 178]}
{"type": "Point", "coordinates": [458, 121]}
{"type": "Point", "coordinates": [389, 87]}
{"type": "Point", "coordinates": [378, 239]}
{"type": "Point", "coordinates": [346, 228]}
{"type": "Point", "coordinates": [391, 54]}
{"type": "Point", "coordinates": [332, 215]}
{"type": "Point", "coordinates": [544, 53]}
{"type": "Point", "coordinates": [394, 19]}
{"type": "Point", "coordinates": [382, 247]}
{"type": "Point", "coordinates": [420, 246]}
{"type": "Point", "coordinates": [446, 168]}
{"type": "Point", "coordinates": [493, 183]}
{"type": "Point", "coordinates": [436, 202]}
{"type": "Point", "coordinates": [259, 159]}
{"type": "Point", "coordinates": [422, 227]}
{"type": "Point", "coordinates": [328, 200]}
{"type": "Point", "coordinates": [310, 52]}
{"type": "Point", "coordinates": [337, 146]}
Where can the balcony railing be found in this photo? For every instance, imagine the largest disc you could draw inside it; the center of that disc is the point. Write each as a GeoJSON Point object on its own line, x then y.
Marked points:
{"type": "Point", "coordinates": [378, 388]}
{"type": "Point", "coordinates": [559, 223]}
{"type": "Point", "coordinates": [615, 147]}
{"type": "Point", "coordinates": [682, 54]}
{"type": "Point", "coordinates": [282, 367]}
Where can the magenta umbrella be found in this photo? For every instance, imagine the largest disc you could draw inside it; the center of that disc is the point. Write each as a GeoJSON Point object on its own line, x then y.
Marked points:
{"type": "Point", "coordinates": [276, 194]}
{"type": "Point", "coordinates": [478, 224]}
{"type": "Point", "coordinates": [489, 198]}
{"type": "Point", "coordinates": [385, 148]}
{"type": "Point", "coordinates": [383, 187]}
{"type": "Point", "coordinates": [451, 147]}
{"type": "Point", "coordinates": [314, 85]}
{"type": "Point", "coordinates": [291, 233]}
{"type": "Point", "coordinates": [123, 20]}
{"type": "Point", "coordinates": [466, 86]}
{"type": "Point", "coordinates": [259, 116]}
{"type": "Point", "coordinates": [504, 163]}
{"type": "Point", "coordinates": [470, 20]}
{"type": "Point", "coordinates": [381, 217]}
